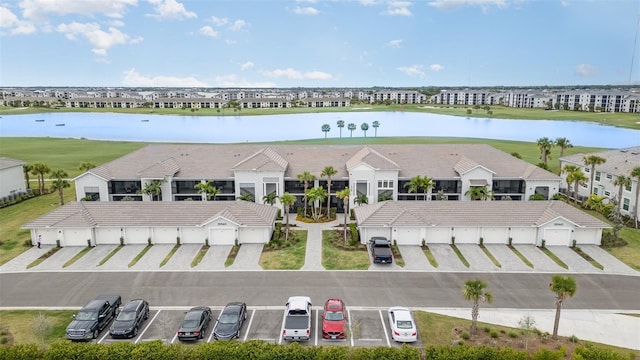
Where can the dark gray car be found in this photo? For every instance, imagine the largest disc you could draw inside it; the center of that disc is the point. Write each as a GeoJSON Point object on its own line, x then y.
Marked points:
{"type": "Point", "coordinates": [195, 323]}
{"type": "Point", "coordinates": [130, 319]}
{"type": "Point", "coordinates": [230, 321]}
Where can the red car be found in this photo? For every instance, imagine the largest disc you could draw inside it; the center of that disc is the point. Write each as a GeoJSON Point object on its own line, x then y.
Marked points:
{"type": "Point", "coordinates": [334, 319]}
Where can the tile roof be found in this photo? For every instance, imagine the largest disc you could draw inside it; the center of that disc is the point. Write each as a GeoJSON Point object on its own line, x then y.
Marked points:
{"type": "Point", "coordinates": [6, 163]}
{"type": "Point", "coordinates": [619, 161]}
{"type": "Point", "coordinates": [145, 214]}
{"type": "Point", "coordinates": [471, 213]}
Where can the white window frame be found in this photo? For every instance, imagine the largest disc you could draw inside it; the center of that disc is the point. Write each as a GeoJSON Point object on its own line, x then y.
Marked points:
{"type": "Point", "coordinates": [626, 204]}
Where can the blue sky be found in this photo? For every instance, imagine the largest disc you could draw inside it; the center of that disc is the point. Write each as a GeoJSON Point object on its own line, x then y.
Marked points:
{"type": "Point", "coordinates": [318, 43]}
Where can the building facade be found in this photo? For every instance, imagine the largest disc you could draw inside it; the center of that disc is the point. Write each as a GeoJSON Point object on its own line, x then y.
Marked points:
{"type": "Point", "coordinates": [11, 178]}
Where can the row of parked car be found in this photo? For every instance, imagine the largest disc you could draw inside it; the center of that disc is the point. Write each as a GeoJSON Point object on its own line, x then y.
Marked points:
{"type": "Point", "coordinates": [97, 314]}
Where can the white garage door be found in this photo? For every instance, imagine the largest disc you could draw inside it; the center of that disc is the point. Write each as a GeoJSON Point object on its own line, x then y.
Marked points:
{"type": "Point", "coordinates": [524, 236]}
{"type": "Point", "coordinates": [76, 237]}
{"type": "Point", "coordinates": [439, 235]}
{"type": "Point", "coordinates": [467, 235]}
{"type": "Point", "coordinates": [557, 237]}
{"type": "Point", "coordinates": [222, 236]}
{"type": "Point", "coordinates": [137, 235]}
{"type": "Point", "coordinates": [107, 236]}
{"type": "Point", "coordinates": [48, 236]}
{"type": "Point", "coordinates": [192, 236]}
{"type": "Point", "coordinates": [253, 236]}
{"type": "Point", "coordinates": [165, 235]}
{"type": "Point", "coordinates": [408, 236]}
{"type": "Point", "coordinates": [368, 233]}
{"type": "Point", "coordinates": [495, 235]}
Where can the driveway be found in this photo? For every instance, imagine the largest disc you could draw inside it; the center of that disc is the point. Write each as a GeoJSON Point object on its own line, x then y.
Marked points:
{"type": "Point", "coordinates": [20, 262]}
{"type": "Point", "coordinates": [183, 257]}
{"type": "Point", "coordinates": [57, 260]}
{"type": "Point", "coordinates": [574, 261]}
{"type": "Point", "coordinates": [507, 258]}
{"type": "Point", "coordinates": [248, 257]}
{"type": "Point", "coordinates": [121, 260]}
{"type": "Point", "coordinates": [215, 257]}
{"type": "Point", "coordinates": [541, 262]}
{"type": "Point", "coordinates": [446, 258]}
{"type": "Point", "coordinates": [414, 258]}
{"type": "Point", "coordinates": [477, 259]}
{"type": "Point", "coordinates": [610, 263]}
{"type": "Point", "coordinates": [91, 259]}
{"type": "Point", "coordinates": [154, 256]}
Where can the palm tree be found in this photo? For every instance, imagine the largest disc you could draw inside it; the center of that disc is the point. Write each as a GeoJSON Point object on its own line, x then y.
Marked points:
{"type": "Point", "coordinates": [414, 184]}
{"type": "Point", "coordinates": [316, 194]}
{"type": "Point", "coordinates": [287, 200]}
{"type": "Point", "coordinates": [361, 199]}
{"type": "Point", "coordinates": [545, 145]}
{"type": "Point", "coordinates": [60, 183]}
{"type": "Point", "coordinates": [376, 125]}
{"type": "Point", "coordinates": [427, 185]}
{"type": "Point", "coordinates": [635, 173]}
{"type": "Point", "coordinates": [27, 169]}
{"type": "Point", "coordinates": [340, 124]}
{"type": "Point", "coordinates": [208, 189]}
{"type": "Point", "coordinates": [564, 287]}
{"type": "Point", "coordinates": [39, 170]}
{"type": "Point", "coordinates": [305, 178]}
{"type": "Point", "coordinates": [325, 129]}
{"type": "Point", "coordinates": [593, 160]}
{"type": "Point", "coordinates": [621, 181]}
{"type": "Point", "coordinates": [568, 169]}
{"type": "Point", "coordinates": [270, 198]}
{"type": "Point", "coordinates": [364, 128]}
{"type": "Point", "coordinates": [351, 127]}
{"type": "Point", "coordinates": [328, 172]}
{"type": "Point", "coordinates": [153, 189]}
{"type": "Point", "coordinates": [86, 166]}
{"type": "Point", "coordinates": [246, 197]}
{"type": "Point", "coordinates": [344, 195]}
{"type": "Point", "coordinates": [474, 290]}
{"type": "Point", "coordinates": [563, 143]}
{"type": "Point", "coordinates": [577, 178]}
{"type": "Point", "coordinates": [479, 192]}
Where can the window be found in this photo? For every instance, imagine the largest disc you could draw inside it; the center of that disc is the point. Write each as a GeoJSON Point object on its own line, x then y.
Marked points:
{"type": "Point", "coordinates": [597, 175]}
{"type": "Point", "coordinates": [385, 184]}
{"type": "Point", "coordinates": [587, 170]}
{"type": "Point", "coordinates": [609, 176]}
{"type": "Point", "coordinates": [627, 188]}
{"type": "Point", "coordinates": [595, 191]}
{"type": "Point", "coordinates": [625, 204]}
{"type": "Point", "coordinates": [607, 193]}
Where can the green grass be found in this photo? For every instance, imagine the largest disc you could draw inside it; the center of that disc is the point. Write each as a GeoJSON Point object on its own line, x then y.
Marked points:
{"type": "Point", "coordinates": [198, 258]}
{"type": "Point", "coordinates": [553, 257]}
{"type": "Point", "coordinates": [232, 255]}
{"type": "Point", "coordinates": [77, 256]}
{"type": "Point", "coordinates": [519, 254]}
{"type": "Point", "coordinates": [110, 255]}
{"type": "Point", "coordinates": [20, 324]}
{"type": "Point", "coordinates": [140, 255]}
{"type": "Point", "coordinates": [43, 257]}
{"type": "Point", "coordinates": [490, 256]}
{"type": "Point", "coordinates": [629, 254]}
{"type": "Point", "coordinates": [397, 256]}
{"type": "Point", "coordinates": [289, 258]}
{"type": "Point", "coordinates": [463, 260]}
{"type": "Point", "coordinates": [169, 255]}
{"type": "Point", "coordinates": [335, 258]}
{"type": "Point", "coordinates": [430, 257]}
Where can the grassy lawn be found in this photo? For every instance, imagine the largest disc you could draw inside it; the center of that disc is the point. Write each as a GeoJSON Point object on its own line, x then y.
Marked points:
{"type": "Point", "coordinates": [463, 260]}
{"type": "Point", "coordinates": [169, 255]}
{"type": "Point", "coordinates": [335, 257]}
{"type": "Point", "coordinates": [430, 257]}
{"type": "Point", "coordinates": [629, 254]}
{"type": "Point", "coordinates": [77, 256]}
{"type": "Point", "coordinates": [110, 255]}
{"type": "Point", "coordinates": [20, 324]}
{"type": "Point", "coordinates": [288, 258]}
{"type": "Point", "coordinates": [200, 255]}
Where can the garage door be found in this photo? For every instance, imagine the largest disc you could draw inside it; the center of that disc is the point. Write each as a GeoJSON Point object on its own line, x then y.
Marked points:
{"type": "Point", "coordinates": [76, 237]}
{"type": "Point", "coordinates": [253, 236]}
{"type": "Point", "coordinates": [107, 236]}
{"type": "Point", "coordinates": [222, 236]}
{"type": "Point", "coordinates": [525, 236]}
{"type": "Point", "coordinates": [438, 235]}
{"type": "Point", "coordinates": [137, 235]}
{"type": "Point", "coordinates": [557, 237]}
{"type": "Point", "coordinates": [408, 236]}
{"type": "Point", "coordinates": [467, 235]}
{"type": "Point", "coordinates": [495, 235]}
{"type": "Point", "coordinates": [192, 236]}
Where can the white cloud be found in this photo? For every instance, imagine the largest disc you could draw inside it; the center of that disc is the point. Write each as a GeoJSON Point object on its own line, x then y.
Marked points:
{"type": "Point", "coordinates": [208, 31]}
{"type": "Point", "coordinates": [170, 10]}
{"type": "Point", "coordinates": [14, 25]}
{"type": "Point", "coordinates": [39, 9]}
{"type": "Point", "coordinates": [133, 78]}
{"type": "Point", "coordinates": [229, 42]}
{"type": "Point", "coordinates": [290, 73]}
{"type": "Point", "coordinates": [238, 25]}
{"type": "Point", "coordinates": [219, 21]}
{"type": "Point", "coordinates": [100, 39]}
{"type": "Point", "coordinates": [436, 67]}
{"type": "Point", "coordinates": [564, 3]}
{"type": "Point", "coordinates": [117, 23]}
{"type": "Point", "coordinates": [307, 1]}
{"type": "Point", "coordinates": [400, 8]}
{"type": "Point", "coordinates": [231, 81]}
{"type": "Point", "coordinates": [484, 4]}
{"type": "Point", "coordinates": [413, 70]}
{"type": "Point", "coordinates": [305, 10]}
{"type": "Point", "coordinates": [246, 66]}
{"type": "Point", "coordinates": [394, 43]}
{"type": "Point", "coordinates": [586, 70]}
{"type": "Point", "coordinates": [369, 2]}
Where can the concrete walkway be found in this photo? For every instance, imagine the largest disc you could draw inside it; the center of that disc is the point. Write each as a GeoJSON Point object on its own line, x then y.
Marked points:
{"type": "Point", "coordinates": [248, 257]}
{"type": "Point", "coordinates": [183, 257]}
{"type": "Point", "coordinates": [541, 262]}
{"type": "Point", "coordinates": [608, 261]}
{"type": "Point", "coordinates": [414, 258]}
{"type": "Point", "coordinates": [313, 251]}
{"type": "Point", "coordinates": [214, 258]}
{"type": "Point", "coordinates": [20, 262]}
{"type": "Point", "coordinates": [508, 260]}
{"type": "Point", "coordinates": [575, 262]}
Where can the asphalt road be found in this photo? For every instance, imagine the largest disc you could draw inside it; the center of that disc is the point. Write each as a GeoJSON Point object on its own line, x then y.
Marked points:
{"type": "Point", "coordinates": [272, 288]}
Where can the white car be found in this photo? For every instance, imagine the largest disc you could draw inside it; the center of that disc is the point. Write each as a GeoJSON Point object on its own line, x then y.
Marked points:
{"type": "Point", "coordinates": [403, 327]}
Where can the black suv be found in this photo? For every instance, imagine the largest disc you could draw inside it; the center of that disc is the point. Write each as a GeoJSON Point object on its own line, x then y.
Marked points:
{"type": "Point", "coordinates": [130, 319]}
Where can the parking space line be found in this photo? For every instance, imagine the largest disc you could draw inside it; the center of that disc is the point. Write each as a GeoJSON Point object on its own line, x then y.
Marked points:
{"type": "Point", "coordinates": [284, 317]}
{"type": "Point", "coordinates": [316, 330]}
{"type": "Point", "coordinates": [104, 336]}
{"type": "Point", "coordinates": [349, 322]}
{"type": "Point", "coordinates": [174, 338]}
{"type": "Point", "coordinates": [146, 327]}
{"type": "Point", "coordinates": [213, 327]}
{"type": "Point", "coordinates": [246, 334]}
{"type": "Point", "coordinates": [386, 335]}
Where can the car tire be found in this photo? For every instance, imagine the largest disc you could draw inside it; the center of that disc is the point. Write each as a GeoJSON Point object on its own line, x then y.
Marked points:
{"type": "Point", "coordinates": [135, 331]}
{"type": "Point", "coordinates": [146, 315]}
{"type": "Point", "coordinates": [95, 333]}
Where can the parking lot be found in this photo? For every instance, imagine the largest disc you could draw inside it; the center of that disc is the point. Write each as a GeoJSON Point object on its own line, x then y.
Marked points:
{"type": "Point", "coordinates": [366, 327]}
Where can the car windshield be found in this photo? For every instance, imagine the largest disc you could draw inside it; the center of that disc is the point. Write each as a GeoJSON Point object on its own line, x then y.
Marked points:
{"type": "Point", "coordinates": [333, 316]}
{"type": "Point", "coordinates": [190, 324]}
{"type": "Point", "coordinates": [405, 324]}
{"type": "Point", "coordinates": [228, 318]}
{"type": "Point", "coordinates": [86, 315]}
{"type": "Point", "coordinates": [126, 316]}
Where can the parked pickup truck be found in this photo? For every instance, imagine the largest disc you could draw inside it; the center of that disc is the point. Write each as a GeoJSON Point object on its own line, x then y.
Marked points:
{"type": "Point", "coordinates": [381, 250]}
{"type": "Point", "coordinates": [93, 317]}
{"type": "Point", "coordinates": [297, 321]}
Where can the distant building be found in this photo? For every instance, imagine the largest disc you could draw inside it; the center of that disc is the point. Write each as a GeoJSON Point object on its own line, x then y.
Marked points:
{"type": "Point", "coordinates": [11, 178]}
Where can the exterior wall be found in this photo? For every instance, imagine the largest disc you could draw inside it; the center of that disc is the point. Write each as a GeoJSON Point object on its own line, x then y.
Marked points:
{"type": "Point", "coordinates": [495, 235]}
{"type": "Point", "coordinates": [478, 173]}
{"type": "Point", "coordinates": [12, 181]}
{"type": "Point", "coordinates": [90, 180]}
{"type": "Point", "coordinates": [256, 178]}
{"type": "Point", "coordinates": [438, 235]}
{"type": "Point", "coordinates": [361, 173]}
{"type": "Point", "coordinates": [531, 185]}
{"type": "Point", "coordinates": [47, 236]}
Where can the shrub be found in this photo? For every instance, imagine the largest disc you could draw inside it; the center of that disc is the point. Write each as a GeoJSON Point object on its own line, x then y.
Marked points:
{"type": "Point", "coordinates": [512, 335]}
{"type": "Point", "coordinates": [487, 329]}
{"type": "Point", "coordinates": [465, 335]}
{"type": "Point", "coordinates": [494, 334]}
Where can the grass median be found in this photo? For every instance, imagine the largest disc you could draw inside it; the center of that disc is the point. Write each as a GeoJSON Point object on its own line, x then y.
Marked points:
{"type": "Point", "coordinates": [338, 256]}
{"type": "Point", "coordinates": [288, 257]}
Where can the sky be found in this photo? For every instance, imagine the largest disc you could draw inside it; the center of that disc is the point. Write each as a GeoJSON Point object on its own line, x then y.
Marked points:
{"type": "Point", "coordinates": [318, 43]}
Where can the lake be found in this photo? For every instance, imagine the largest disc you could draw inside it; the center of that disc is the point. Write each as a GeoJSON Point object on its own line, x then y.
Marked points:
{"type": "Point", "coordinates": [228, 129]}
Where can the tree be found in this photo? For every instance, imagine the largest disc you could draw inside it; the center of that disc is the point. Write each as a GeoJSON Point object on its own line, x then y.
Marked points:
{"type": "Point", "coordinates": [621, 181]}
{"type": "Point", "coordinates": [287, 200]}
{"type": "Point", "coordinates": [479, 192]}
{"type": "Point", "coordinates": [577, 178]}
{"type": "Point", "coordinates": [361, 199]}
{"type": "Point", "coordinates": [270, 198]}
{"type": "Point", "coordinates": [42, 327]}
{"type": "Point", "coordinates": [593, 160]}
{"type": "Point", "coordinates": [328, 172]}
{"type": "Point", "coordinates": [376, 125]}
{"type": "Point", "coordinates": [544, 145]}
{"type": "Point", "coordinates": [474, 290]}
{"type": "Point", "coordinates": [60, 183]}
{"type": "Point", "coordinates": [316, 194]}
{"type": "Point", "coordinates": [351, 127]}
{"type": "Point", "coordinates": [419, 183]}
{"type": "Point", "coordinates": [340, 124]}
{"type": "Point", "coordinates": [39, 170]}
{"type": "Point", "coordinates": [305, 178]}
{"type": "Point", "coordinates": [208, 189]}
{"type": "Point", "coordinates": [325, 129]}
{"type": "Point", "coordinates": [344, 196]}
{"type": "Point", "coordinates": [563, 143]}
{"type": "Point", "coordinates": [569, 169]}
{"type": "Point", "coordinates": [246, 197]}
{"type": "Point", "coordinates": [364, 128]}
{"type": "Point", "coordinates": [27, 169]}
{"type": "Point", "coordinates": [153, 189]}
{"type": "Point", "coordinates": [635, 173]}
{"type": "Point", "coordinates": [86, 166]}
{"type": "Point", "coordinates": [564, 287]}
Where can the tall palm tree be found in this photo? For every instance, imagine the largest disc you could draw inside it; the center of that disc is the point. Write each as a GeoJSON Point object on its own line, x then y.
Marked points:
{"type": "Point", "coordinates": [305, 178]}
{"type": "Point", "coordinates": [577, 178]}
{"type": "Point", "coordinates": [564, 287]}
{"type": "Point", "coordinates": [270, 198]}
{"type": "Point", "coordinates": [544, 145]}
{"type": "Point", "coordinates": [563, 143]}
{"type": "Point", "coordinates": [364, 128]}
{"type": "Point", "coordinates": [153, 189]}
{"type": "Point", "coordinates": [635, 173]}
{"type": "Point", "coordinates": [60, 183]}
{"type": "Point", "coordinates": [287, 200]}
{"type": "Point", "coordinates": [568, 169]}
{"type": "Point", "coordinates": [39, 170]}
{"type": "Point", "coordinates": [479, 192]}
{"type": "Point", "coordinates": [328, 172]}
{"type": "Point", "coordinates": [27, 168]}
{"type": "Point", "coordinates": [376, 125]}
{"type": "Point", "coordinates": [414, 185]}
{"type": "Point", "coordinates": [340, 124]}
{"type": "Point", "coordinates": [475, 291]}
{"type": "Point", "coordinates": [351, 127]}
{"type": "Point", "coordinates": [208, 189]}
{"type": "Point", "coordinates": [325, 129]}
{"type": "Point", "coordinates": [427, 185]}
{"type": "Point", "coordinates": [621, 181]}
{"type": "Point", "coordinates": [344, 196]}
{"type": "Point", "coordinates": [86, 166]}
{"type": "Point", "coordinates": [316, 194]}
{"type": "Point", "coordinates": [593, 160]}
